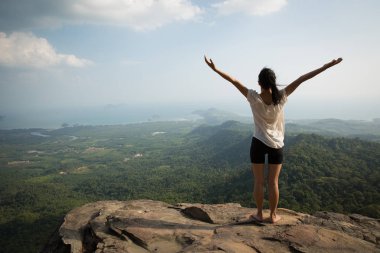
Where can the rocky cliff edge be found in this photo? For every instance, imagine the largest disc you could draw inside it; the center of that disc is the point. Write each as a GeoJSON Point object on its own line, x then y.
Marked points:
{"type": "Point", "coordinates": [151, 226]}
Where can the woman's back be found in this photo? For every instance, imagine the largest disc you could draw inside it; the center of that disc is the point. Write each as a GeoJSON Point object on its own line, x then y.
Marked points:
{"type": "Point", "coordinates": [268, 118]}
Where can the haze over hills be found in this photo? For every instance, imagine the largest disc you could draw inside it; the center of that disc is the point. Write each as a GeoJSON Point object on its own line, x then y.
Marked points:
{"type": "Point", "coordinates": [123, 114]}
{"type": "Point", "coordinates": [96, 115]}
{"type": "Point", "coordinates": [367, 130]}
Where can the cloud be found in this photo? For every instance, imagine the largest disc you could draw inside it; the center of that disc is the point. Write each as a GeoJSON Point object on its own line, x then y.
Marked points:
{"type": "Point", "coordinates": [250, 7]}
{"type": "Point", "coordinates": [137, 14]}
{"type": "Point", "coordinates": [27, 50]}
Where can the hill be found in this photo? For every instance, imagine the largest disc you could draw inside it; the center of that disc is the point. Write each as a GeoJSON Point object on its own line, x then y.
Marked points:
{"type": "Point", "coordinates": [366, 130]}
{"type": "Point", "coordinates": [363, 129]}
{"type": "Point", "coordinates": [46, 173]}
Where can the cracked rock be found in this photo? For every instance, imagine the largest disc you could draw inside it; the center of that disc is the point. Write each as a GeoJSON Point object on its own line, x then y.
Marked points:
{"type": "Point", "coordinates": [141, 226]}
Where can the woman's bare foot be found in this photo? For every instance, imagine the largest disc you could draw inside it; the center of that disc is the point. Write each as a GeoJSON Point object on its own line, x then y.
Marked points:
{"type": "Point", "coordinates": [275, 218]}
{"type": "Point", "coordinates": [257, 217]}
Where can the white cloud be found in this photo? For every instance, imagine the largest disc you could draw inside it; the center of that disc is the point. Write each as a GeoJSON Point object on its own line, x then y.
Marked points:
{"type": "Point", "coordinates": [137, 14]}
{"type": "Point", "coordinates": [251, 7]}
{"type": "Point", "coordinates": [27, 50]}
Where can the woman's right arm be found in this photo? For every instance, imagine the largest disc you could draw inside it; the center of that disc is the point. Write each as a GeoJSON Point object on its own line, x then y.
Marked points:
{"type": "Point", "coordinates": [243, 90]}
{"type": "Point", "coordinates": [293, 86]}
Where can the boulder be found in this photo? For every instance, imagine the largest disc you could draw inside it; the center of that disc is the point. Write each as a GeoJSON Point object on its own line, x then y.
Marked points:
{"type": "Point", "coordinates": [139, 226]}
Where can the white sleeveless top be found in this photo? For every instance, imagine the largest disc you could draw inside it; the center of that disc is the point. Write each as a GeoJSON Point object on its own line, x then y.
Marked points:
{"type": "Point", "coordinates": [268, 119]}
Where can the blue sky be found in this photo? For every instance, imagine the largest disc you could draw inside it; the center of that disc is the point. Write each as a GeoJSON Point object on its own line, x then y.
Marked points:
{"type": "Point", "coordinates": [85, 53]}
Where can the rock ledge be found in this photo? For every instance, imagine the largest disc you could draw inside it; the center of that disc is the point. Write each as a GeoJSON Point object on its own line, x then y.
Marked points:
{"type": "Point", "coordinates": [139, 226]}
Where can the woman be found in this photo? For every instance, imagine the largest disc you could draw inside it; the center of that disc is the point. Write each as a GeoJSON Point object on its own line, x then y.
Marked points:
{"type": "Point", "coordinates": [267, 108]}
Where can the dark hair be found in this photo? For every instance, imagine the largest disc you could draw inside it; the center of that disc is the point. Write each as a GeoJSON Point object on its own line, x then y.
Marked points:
{"type": "Point", "coordinates": [267, 80]}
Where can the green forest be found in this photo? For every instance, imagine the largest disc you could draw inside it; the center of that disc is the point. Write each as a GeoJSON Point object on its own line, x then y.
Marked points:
{"type": "Point", "coordinates": [46, 173]}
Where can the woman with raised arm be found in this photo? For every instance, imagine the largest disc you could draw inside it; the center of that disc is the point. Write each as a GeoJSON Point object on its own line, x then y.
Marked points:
{"type": "Point", "coordinates": [268, 114]}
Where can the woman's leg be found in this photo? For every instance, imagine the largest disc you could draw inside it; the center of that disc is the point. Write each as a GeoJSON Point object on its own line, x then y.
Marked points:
{"type": "Point", "coordinates": [258, 189]}
{"type": "Point", "coordinates": [274, 195]}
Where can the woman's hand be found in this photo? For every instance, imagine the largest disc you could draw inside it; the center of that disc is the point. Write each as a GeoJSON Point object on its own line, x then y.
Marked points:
{"type": "Point", "coordinates": [210, 63]}
{"type": "Point", "coordinates": [333, 62]}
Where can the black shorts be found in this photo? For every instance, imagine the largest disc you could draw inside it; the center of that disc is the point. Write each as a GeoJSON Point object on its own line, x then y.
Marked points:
{"type": "Point", "coordinates": [259, 149]}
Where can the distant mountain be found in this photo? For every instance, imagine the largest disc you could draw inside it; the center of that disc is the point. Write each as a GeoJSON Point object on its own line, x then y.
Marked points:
{"type": "Point", "coordinates": [214, 116]}
{"type": "Point", "coordinates": [205, 130]}
{"type": "Point", "coordinates": [215, 143]}
{"type": "Point", "coordinates": [367, 130]}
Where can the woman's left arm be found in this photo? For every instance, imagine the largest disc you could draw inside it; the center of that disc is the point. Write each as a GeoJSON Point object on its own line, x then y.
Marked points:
{"type": "Point", "coordinates": [293, 86]}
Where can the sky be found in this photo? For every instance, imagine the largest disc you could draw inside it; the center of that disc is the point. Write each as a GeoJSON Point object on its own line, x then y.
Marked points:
{"type": "Point", "coordinates": [65, 55]}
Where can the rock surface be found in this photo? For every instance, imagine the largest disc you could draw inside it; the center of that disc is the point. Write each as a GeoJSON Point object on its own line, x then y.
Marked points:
{"type": "Point", "coordinates": [152, 226]}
